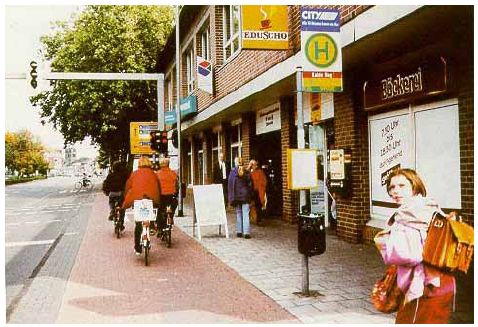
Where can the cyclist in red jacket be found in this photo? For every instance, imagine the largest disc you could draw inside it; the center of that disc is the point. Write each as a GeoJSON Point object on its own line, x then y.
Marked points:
{"type": "Point", "coordinates": [168, 181]}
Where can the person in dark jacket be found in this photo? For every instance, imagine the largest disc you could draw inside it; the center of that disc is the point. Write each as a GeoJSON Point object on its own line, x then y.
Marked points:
{"type": "Point", "coordinates": [113, 187]}
{"type": "Point", "coordinates": [142, 183]}
{"type": "Point", "coordinates": [240, 194]}
{"type": "Point", "coordinates": [220, 175]}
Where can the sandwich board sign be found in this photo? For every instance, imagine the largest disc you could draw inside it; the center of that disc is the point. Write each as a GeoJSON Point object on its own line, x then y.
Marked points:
{"type": "Point", "coordinates": [209, 207]}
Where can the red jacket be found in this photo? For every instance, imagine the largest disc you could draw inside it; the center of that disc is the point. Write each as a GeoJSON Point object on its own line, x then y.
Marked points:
{"type": "Point", "coordinates": [167, 180]}
{"type": "Point", "coordinates": [141, 182]}
{"type": "Point", "coordinates": [259, 183]}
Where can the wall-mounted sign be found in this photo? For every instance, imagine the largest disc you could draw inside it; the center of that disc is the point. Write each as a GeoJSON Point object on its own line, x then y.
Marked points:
{"type": "Point", "coordinates": [204, 69]}
{"type": "Point", "coordinates": [139, 137]}
{"type": "Point", "coordinates": [321, 49]}
{"type": "Point", "coordinates": [188, 107]}
{"type": "Point", "coordinates": [406, 83]}
{"type": "Point", "coordinates": [337, 167]}
{"type": "Point", "coordinates": [268, 119]}
{"type": "Point", "coordinates": [265, 27]}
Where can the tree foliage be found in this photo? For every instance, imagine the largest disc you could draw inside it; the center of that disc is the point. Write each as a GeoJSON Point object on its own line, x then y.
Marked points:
{"type": "Point", "coordinates": [104, 39]}
{"type": "Point", "coordinates": [24, 154]}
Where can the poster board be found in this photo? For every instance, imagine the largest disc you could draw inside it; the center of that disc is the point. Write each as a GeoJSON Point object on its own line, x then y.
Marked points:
{"type": "Point", "coordinates": [209, 207]}
{"type": "Point", "coordinates": [302, 169]}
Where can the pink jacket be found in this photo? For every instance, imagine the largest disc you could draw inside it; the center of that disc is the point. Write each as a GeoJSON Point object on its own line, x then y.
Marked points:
{"type": "Point", "coordinates": [406, 235]}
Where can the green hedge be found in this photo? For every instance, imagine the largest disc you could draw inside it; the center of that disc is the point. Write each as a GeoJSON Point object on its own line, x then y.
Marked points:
{"type": "Point", "coordinates": [16, 180]}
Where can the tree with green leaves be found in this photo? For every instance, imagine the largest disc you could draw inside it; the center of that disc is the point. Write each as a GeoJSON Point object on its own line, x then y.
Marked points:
{"type": "Point", "coordinates": [24, 154]}
{"type": "Point", "coordinates": [104, 39]}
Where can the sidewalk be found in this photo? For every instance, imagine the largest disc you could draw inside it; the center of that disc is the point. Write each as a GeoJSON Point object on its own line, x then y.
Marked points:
{"type": "Point", "coordinates": [183, 284]}
{"type": "Point", "coordinates": [343, 275]}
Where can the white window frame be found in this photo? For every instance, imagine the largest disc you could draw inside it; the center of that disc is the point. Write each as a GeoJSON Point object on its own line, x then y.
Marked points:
{"type": "Point", "coordinates": [234, 34]}
{"type": "Point", "coordinates": [217, 148]}
{"type": "Point", "coordinates": [205, 43]}
{"type": "Point", "coordinates": [190, 69]}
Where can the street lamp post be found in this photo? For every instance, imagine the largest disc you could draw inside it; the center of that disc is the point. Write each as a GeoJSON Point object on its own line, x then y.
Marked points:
{"type": "Point", "coordinates": [178, 116]}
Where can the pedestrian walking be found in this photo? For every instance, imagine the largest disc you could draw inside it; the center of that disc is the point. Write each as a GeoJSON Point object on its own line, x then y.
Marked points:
{"type": "Point", "coordinates": [168, 182]}
{"type": "Point", "coordinates": [142, 183]}
{"type": "Point", "coordinates": [259, 197]}
{"type": "Point", "coordinates": [428, 292]}
{"type": "Point", "coordinates": [113, 187]}
{"type": "Point", "coordinates": [220, 175]}
{"type": "Point", "coordinates": [239, 194]}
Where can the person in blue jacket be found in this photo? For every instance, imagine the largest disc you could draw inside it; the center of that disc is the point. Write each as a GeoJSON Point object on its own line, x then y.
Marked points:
{"type": "Point", "coordinates": [239, 196]}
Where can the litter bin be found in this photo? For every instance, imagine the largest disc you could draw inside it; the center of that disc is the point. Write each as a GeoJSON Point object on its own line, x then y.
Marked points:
{"type": "Point", "coordinates": [311, 234]}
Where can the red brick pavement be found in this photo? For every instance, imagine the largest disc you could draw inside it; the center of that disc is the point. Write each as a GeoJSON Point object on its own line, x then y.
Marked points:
{"type": "Point", "coordinates": [184, 278]}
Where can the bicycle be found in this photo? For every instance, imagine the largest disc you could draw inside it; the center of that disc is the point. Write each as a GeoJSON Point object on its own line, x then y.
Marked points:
{"type": "Point", "coordinates": [166, 231]}
{"type": "Point", "coordinates": [144, 213]}
{"type": "Point", "coordinates": [116, 212]}
{"type": "Point", "coordinates": [84, 183]}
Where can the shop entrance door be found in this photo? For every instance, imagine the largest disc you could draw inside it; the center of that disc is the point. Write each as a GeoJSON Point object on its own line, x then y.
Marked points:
{"type": "Point", "coordinates": [266, 148]}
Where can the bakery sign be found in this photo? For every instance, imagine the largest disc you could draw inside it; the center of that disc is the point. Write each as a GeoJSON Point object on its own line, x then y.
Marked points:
{"type": "Point", "coordinates": [405, 84]}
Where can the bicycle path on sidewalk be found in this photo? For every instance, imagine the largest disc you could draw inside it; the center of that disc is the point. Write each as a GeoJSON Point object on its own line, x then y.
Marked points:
{"type": "Point", "coordinates": [182, 284]}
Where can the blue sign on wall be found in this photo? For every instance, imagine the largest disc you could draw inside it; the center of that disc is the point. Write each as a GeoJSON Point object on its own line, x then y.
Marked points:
{"type": "Point", "coordinates": [188, 107]}
{"type": "Point", "coordinates": [319, 20]}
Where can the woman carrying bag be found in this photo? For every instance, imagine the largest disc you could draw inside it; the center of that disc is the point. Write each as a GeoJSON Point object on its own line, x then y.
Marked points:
{"type": "Point", "coordinates": [428, 292]}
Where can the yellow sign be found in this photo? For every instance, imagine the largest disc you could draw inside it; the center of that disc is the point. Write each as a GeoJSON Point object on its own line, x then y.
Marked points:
{"type": "Point", "coordinates": [321, 50]}
{"type": "Point", "coordinates": [315, 107]}
{"type": "Point", "coordinates": [139, 137]}
{"type": "Point", "coordinates": [265, 27]}
{"type": "Point", "coordinates": [322, 81]}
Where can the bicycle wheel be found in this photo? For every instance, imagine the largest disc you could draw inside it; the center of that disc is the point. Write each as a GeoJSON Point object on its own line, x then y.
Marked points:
{"type": "Point", "coordinates": [168, 236]}
{"type": "Point", "coordinates": [89, 185]}
{"type": "Point", "coordinates": [117, 230]}
{"type": "Point", "coordinates": [78, 186]}
{"type": "Point", "coordinates": [146, 253]}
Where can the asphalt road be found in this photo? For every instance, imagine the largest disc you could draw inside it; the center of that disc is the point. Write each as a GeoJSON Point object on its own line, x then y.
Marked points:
{"type": "Point", "coordinates": [44, 224]}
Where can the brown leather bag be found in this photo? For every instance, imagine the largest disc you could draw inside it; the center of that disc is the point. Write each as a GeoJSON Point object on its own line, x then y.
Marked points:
{"type": "Point", "coordinates": [449, 243]}
{"type": "Point", "coordinates": [386, 295]}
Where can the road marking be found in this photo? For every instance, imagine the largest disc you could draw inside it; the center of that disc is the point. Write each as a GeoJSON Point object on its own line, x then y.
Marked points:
{"type": "Point", "coordinates": [12, 244]}
{"type": "Point", "coordinates": [71, 233]}
{"type": "Point", "coordinates": [32, 222]}
{"type": "Point", "coordinates": [64, 191]}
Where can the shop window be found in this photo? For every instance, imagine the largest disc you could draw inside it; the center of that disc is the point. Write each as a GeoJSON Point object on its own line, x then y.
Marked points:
{"type": "Point", "coordinates": [231, 30]}
{"type": "Point", "coordinates": [200, 166]}
{"type": "Point", "coordinates": [170, 91]}
{"type": "Point", "coordinates": [189, 164]}
{"type": "Point", "coordinates": [216, 147]}
{"type": "Point", "coordinates": [424, 138]}
{"type": "Point", "coordinates": [190, 69]}
{"type": "Point", "coordinates": [236, 144]}
{"type": "Point", "coordinates": [205, 44]}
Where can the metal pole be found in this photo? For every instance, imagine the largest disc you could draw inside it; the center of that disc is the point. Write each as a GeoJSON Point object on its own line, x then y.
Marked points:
{"type": "Point", "coordinates": [301, 145]}
{"type": "Point", "coordinates": [178, 115]}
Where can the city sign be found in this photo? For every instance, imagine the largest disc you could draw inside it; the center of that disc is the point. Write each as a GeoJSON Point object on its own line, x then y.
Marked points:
{"type": "Point", "coordinates": [265, 27]}
{"type": "Point", "coordinates": [321, 48]}
{"type": "Point", "coordinates": [140, 138]}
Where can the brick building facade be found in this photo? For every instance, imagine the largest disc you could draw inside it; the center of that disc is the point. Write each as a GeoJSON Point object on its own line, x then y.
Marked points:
{"type": "Point", "coordinates": [376, 41]}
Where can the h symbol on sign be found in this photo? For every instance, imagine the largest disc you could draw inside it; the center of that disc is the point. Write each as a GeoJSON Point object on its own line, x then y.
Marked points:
{"type": "Point", "coordinates": [324, 50]}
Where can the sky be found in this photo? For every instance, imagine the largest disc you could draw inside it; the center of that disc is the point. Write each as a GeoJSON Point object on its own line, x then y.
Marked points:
{"type": "Point", "coordinates": [24, 25]}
